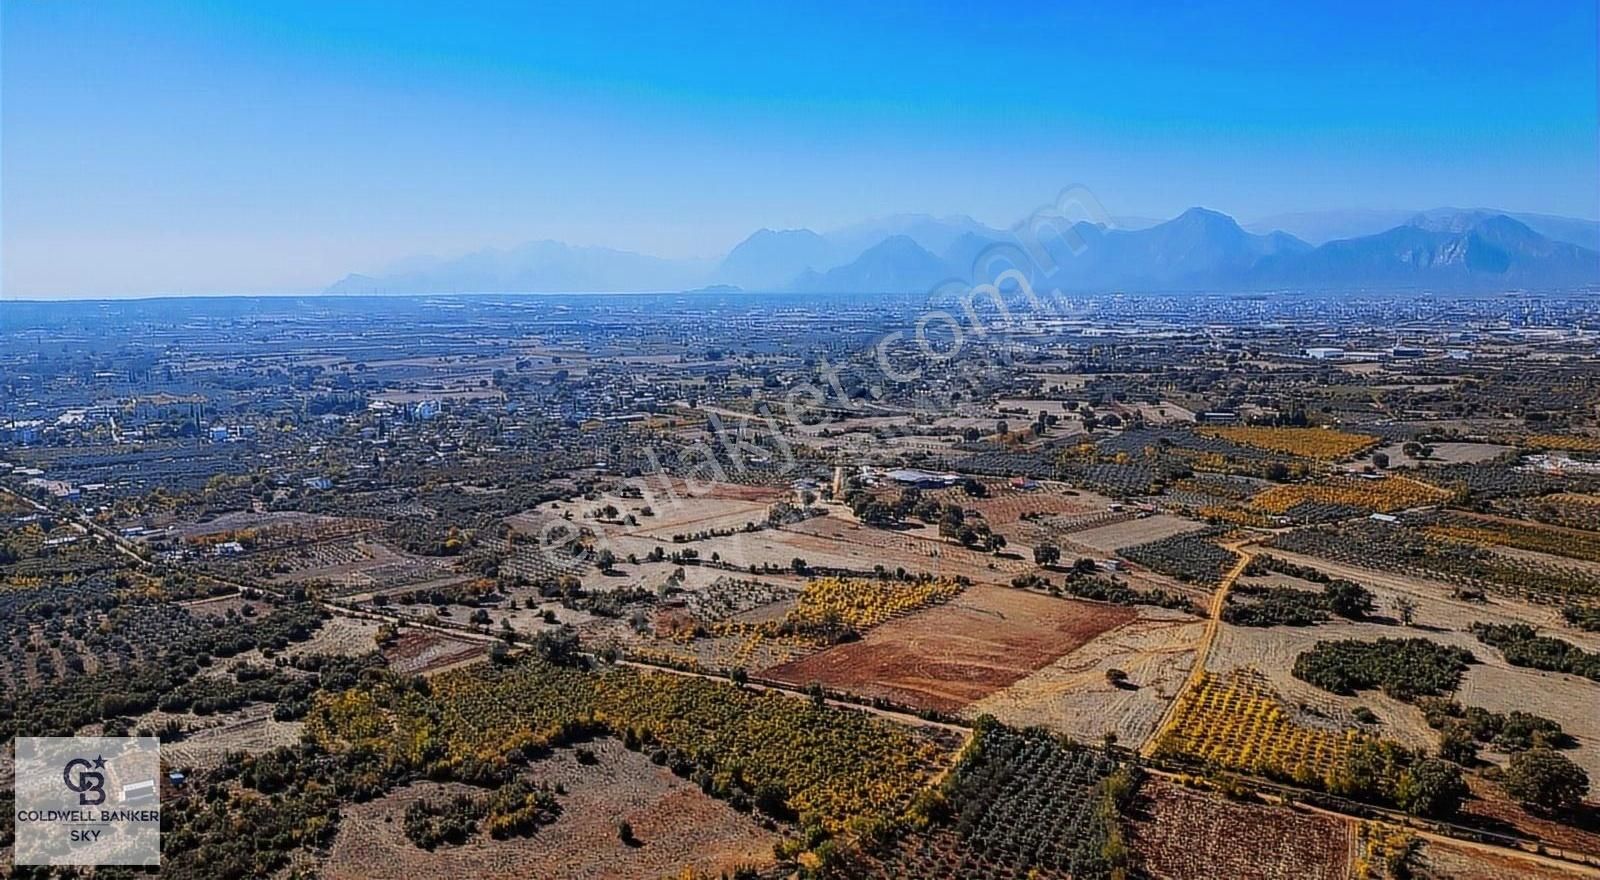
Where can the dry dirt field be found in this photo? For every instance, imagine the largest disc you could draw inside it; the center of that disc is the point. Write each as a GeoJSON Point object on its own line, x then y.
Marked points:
{"type": "Point", "coordinates": [1443, 454]}
{"type": "Point", "coordinates": [1072, 695]}
{"type": "Point", "coordinates": [1443, 861]}
{"type": "Point", "coordinates": [1492, 809]}
{"type": "Point", "coordinates": [953, 654]}
{"type": "Point", "coordinates": [1187, 835]}
{"type": "Point", "coordinates": [251, 729]}
{"type": "Point", "coordinates": [360, 566]}
{"type": "Point", "coordinates": [338, 635]}
{"type": "Point", "coordinates": [1007, 505]}
{"type": "Point", "coordinates": [1114, 537]}
{"type": "Point", "coordinates": [675, 823]}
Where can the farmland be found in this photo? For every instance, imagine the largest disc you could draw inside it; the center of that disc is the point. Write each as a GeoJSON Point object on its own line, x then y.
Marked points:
{"type": "Point", "coordinates": [951, 655]}
{"type": "Point", "coordinates": [565, 588]}
{"type": "Point", "coordinates": [1018, 804]}
{"type": "Point", "coordinates": [1362, 494]}
{"type": "Point", "coordinates": [678, 824]}
{"type": "Point", "coordinates": [1238, 722]}
{"type": "Point", "coordinates": [861, 771]}
{"type": "Point", "coordinates": [1185, 835]}
{"type": "Point", "coordinates": [1318, 443]}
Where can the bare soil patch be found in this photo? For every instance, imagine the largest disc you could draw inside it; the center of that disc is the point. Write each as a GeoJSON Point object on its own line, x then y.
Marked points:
{"type": "Point", "coordinates": [1114, 537]}
{"type": "Point", "coordinates": [948, 656]}
{"type": "Point", "coordinates": [1073, 695]}
{"type": "Point", "coordinates": [1444, 860]}
{"type": "Point", "coordinates": [676, 825]}
{"type": "Point", "coordinates": [1189, 835]}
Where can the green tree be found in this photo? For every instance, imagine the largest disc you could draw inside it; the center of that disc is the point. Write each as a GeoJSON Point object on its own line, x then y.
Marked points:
{"type": "Point", "coordinates": [1431, 787]}
{"type": "Point", "coordinates": [1546, 779]}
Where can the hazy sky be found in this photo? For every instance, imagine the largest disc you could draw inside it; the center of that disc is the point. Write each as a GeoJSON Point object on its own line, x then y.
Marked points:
{"type": "Point", "coordinates": [270, 146]}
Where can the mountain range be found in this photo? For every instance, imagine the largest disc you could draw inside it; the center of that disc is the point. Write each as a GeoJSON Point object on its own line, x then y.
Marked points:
{"type": "Point", "coordinates": [1199, 250]}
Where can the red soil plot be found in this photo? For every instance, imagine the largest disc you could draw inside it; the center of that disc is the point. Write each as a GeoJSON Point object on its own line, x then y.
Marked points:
{"type": "Point", "coordinates": [1187, 835]}
{"type": "Point", "coordinates": [418, 651]}
{"type": "Point", "coordinates": [950, 655]}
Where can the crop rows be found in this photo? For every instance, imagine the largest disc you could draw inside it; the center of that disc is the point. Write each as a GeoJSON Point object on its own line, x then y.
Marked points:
{"type": "Point", "coordinates": [1238, 722]}
{"type": "Point", "coordinates": [1571, 510]}
{"type": "Point", "coordinates": [1492, 480]}
{"type": "Point", "coordinates": [1191, 558]}
{"type": "Point", "coordinates": [1319, 443]}
{"type": "Point", "coordinates": [1522, 536]}
{"type": "Point", "coordinates": [1029, 800]}
{"type": "Point", "coordinates": [864, 603]}
{"type": "Point", "coordinates": [727, 597]}
{"type": "Point", "coordinates": [833, 768]}
{"type": "Point", "coordinates": [1350, 492]}
{"type": "Point", "coordinates": [1397, 549]}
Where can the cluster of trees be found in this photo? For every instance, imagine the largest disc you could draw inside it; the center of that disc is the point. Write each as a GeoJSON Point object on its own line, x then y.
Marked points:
{"type": "Point", "coordinates": [517, 808]}
{"type": "Point", "coordinates": [1191, 558]}
{"type": "Point", "coordinates": [1286, 606]}
{"type": "Point", "coordinates": [1587, 619]}
{"type": "Point", "coordinates": [832, 768]}
{"type": "Point", "coordinates": [1463, 728]}
{"type": "Point", "coordinates": [298, 791]}
{"type": "Point", "coordinates": [1036, 803]}
{"type": "Point", "coordinates": [61, 707]}
{"type": "Point", "coordinates": [1523, 646]}
{"type": "Point", "coordinates": [430, 537]}
{"type": "Point", "coordinates": [1545, 780]}
{"type": "Point", "coordinates": [1083, 582]}
{"type": "Point", "coordinates": [955, 523]}
{"type": "Point", "coordinates": [1402, 668]}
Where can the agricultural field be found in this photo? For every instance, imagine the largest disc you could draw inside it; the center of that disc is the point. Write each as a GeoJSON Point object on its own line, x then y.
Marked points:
{"type": "Point", "coordinates": [534, 587]}
{"type": "Point", "coordinates": [951, 655]}
{"type": "Point", "coordinates": [1444, 861]}
{"type": "Point", "coordinates": [1019, 804]}
{"type": "Point", "coordinates": [1109, 539]}
{"type": "Point", "coordinates": [835, 768]}
{"type": "Point", "coordinates": [418, 652]}
{"type": "Point", "coordinates": [1565, 442]}
{"type": "Point", "coordinates": [1441, 454]}
{"type": "Point", "coordinates": [1183, 834]}
{"type": "Point", "coordinates": [206, 743]}
{"type": "Point", "coordinates": [1488, 531]}
{"type": "Point", "coordinates": [1081, 695]}
{"type": "Point", "coordinates": [1356, 493]}
{"type": "Point", "coordinates": [1191, 557]}
{"type": "Point", "coordinates": [1318, 443]}
{"type": "Point", "coordinates": [1568, 510]}
{"type": "Point", "coordinates": [675, 824]}
{"type": "Point", "coordinates": [1400, 549]}
{"type": "Point", "coordinates": [1239, 722]}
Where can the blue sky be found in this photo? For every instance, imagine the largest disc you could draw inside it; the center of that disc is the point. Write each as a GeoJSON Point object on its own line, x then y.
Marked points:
{"type": "Point", "coordinates": [253, 147]}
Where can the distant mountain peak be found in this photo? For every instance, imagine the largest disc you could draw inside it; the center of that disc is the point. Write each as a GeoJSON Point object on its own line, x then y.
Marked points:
{"type": "Point", "coordinates": [771, 258]}
{"type": "Point", "coordinates": [895, 265]}
{"type": "Point", "coordinates": [1200, 249]}
{"type": "Point", "coordinates": [1204, 215]}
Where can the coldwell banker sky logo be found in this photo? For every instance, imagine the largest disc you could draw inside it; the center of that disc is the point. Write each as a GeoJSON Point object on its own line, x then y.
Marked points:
{"type": "Point", "coordinates": [85, 778]}
{"type": "Point", "coordinates": [85, 800]}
